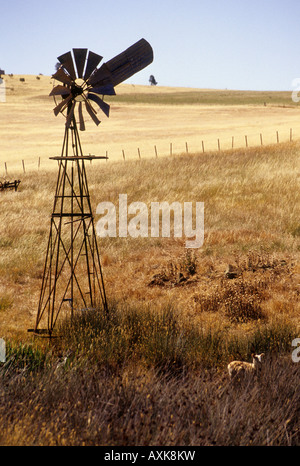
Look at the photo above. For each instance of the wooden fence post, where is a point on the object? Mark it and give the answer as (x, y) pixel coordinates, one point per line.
(203, 147)
(123, 154)
(155, 149)
(23, 163)
(186, 148)
(246, 139)
(261, 139)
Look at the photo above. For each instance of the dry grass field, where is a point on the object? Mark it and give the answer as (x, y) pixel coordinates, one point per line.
(155, 373)
(142, 117)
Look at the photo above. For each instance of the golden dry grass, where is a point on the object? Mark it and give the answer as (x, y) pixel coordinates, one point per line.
(141, 117)
(179, 319)
(251, 216)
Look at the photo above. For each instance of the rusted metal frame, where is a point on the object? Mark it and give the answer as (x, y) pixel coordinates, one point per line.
(72, 249)
(81, 183)
(84, 186)
(60, 177)
(49, 247)
(67, 252)
(73, 194)
(56, 244)
(101, 286)
(51, 290)
(60, 184)
(72, 275)
(76, 145)
(47, 282)
(50, 271)
(71, 299)
(97, 269)
(46, 277)
(10, 185)
(61, 188)
(80, 157)
(65, 148)
(44, 282)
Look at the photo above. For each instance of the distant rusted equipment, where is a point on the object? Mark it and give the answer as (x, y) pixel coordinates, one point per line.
(72, 277)
(9, 185)
(1, 72)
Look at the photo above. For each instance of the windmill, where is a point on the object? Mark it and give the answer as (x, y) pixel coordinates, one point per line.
(72, 277)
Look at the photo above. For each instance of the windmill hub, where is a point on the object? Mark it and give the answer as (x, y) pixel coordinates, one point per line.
(78, 90)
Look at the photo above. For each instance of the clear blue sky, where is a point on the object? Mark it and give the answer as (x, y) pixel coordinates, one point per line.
(234, 44)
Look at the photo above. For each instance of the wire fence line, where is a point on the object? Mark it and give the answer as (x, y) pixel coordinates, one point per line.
(205, 146)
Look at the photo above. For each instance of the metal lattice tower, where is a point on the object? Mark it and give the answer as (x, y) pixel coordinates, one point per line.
(72, 272)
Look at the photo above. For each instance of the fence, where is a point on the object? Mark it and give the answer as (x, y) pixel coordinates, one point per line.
(184, 149)
(218, 146)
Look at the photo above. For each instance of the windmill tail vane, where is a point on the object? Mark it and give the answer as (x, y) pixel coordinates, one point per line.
(72, 277)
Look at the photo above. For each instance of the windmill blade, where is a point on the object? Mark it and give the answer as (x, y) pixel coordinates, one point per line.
(92, 63)
(61, 76)
(81, 120)
(103, 105)
(126, 64)
(70, 114)
(108, 89)
(80, 56)
(67, 62)
(60, 90)
(61, 106)
(92, 114)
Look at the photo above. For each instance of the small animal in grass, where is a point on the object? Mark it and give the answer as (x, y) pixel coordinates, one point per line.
(241, 368)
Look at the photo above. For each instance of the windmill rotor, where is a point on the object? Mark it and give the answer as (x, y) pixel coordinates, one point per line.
(81, 82)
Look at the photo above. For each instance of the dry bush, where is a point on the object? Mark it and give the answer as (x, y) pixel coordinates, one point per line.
(176, 272)
(238, 300)
(242, 301)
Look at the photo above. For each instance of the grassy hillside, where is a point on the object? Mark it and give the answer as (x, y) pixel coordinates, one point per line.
(251, 215)
(155, 372)
(38, 88)
(165, 96)
(141, 117)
